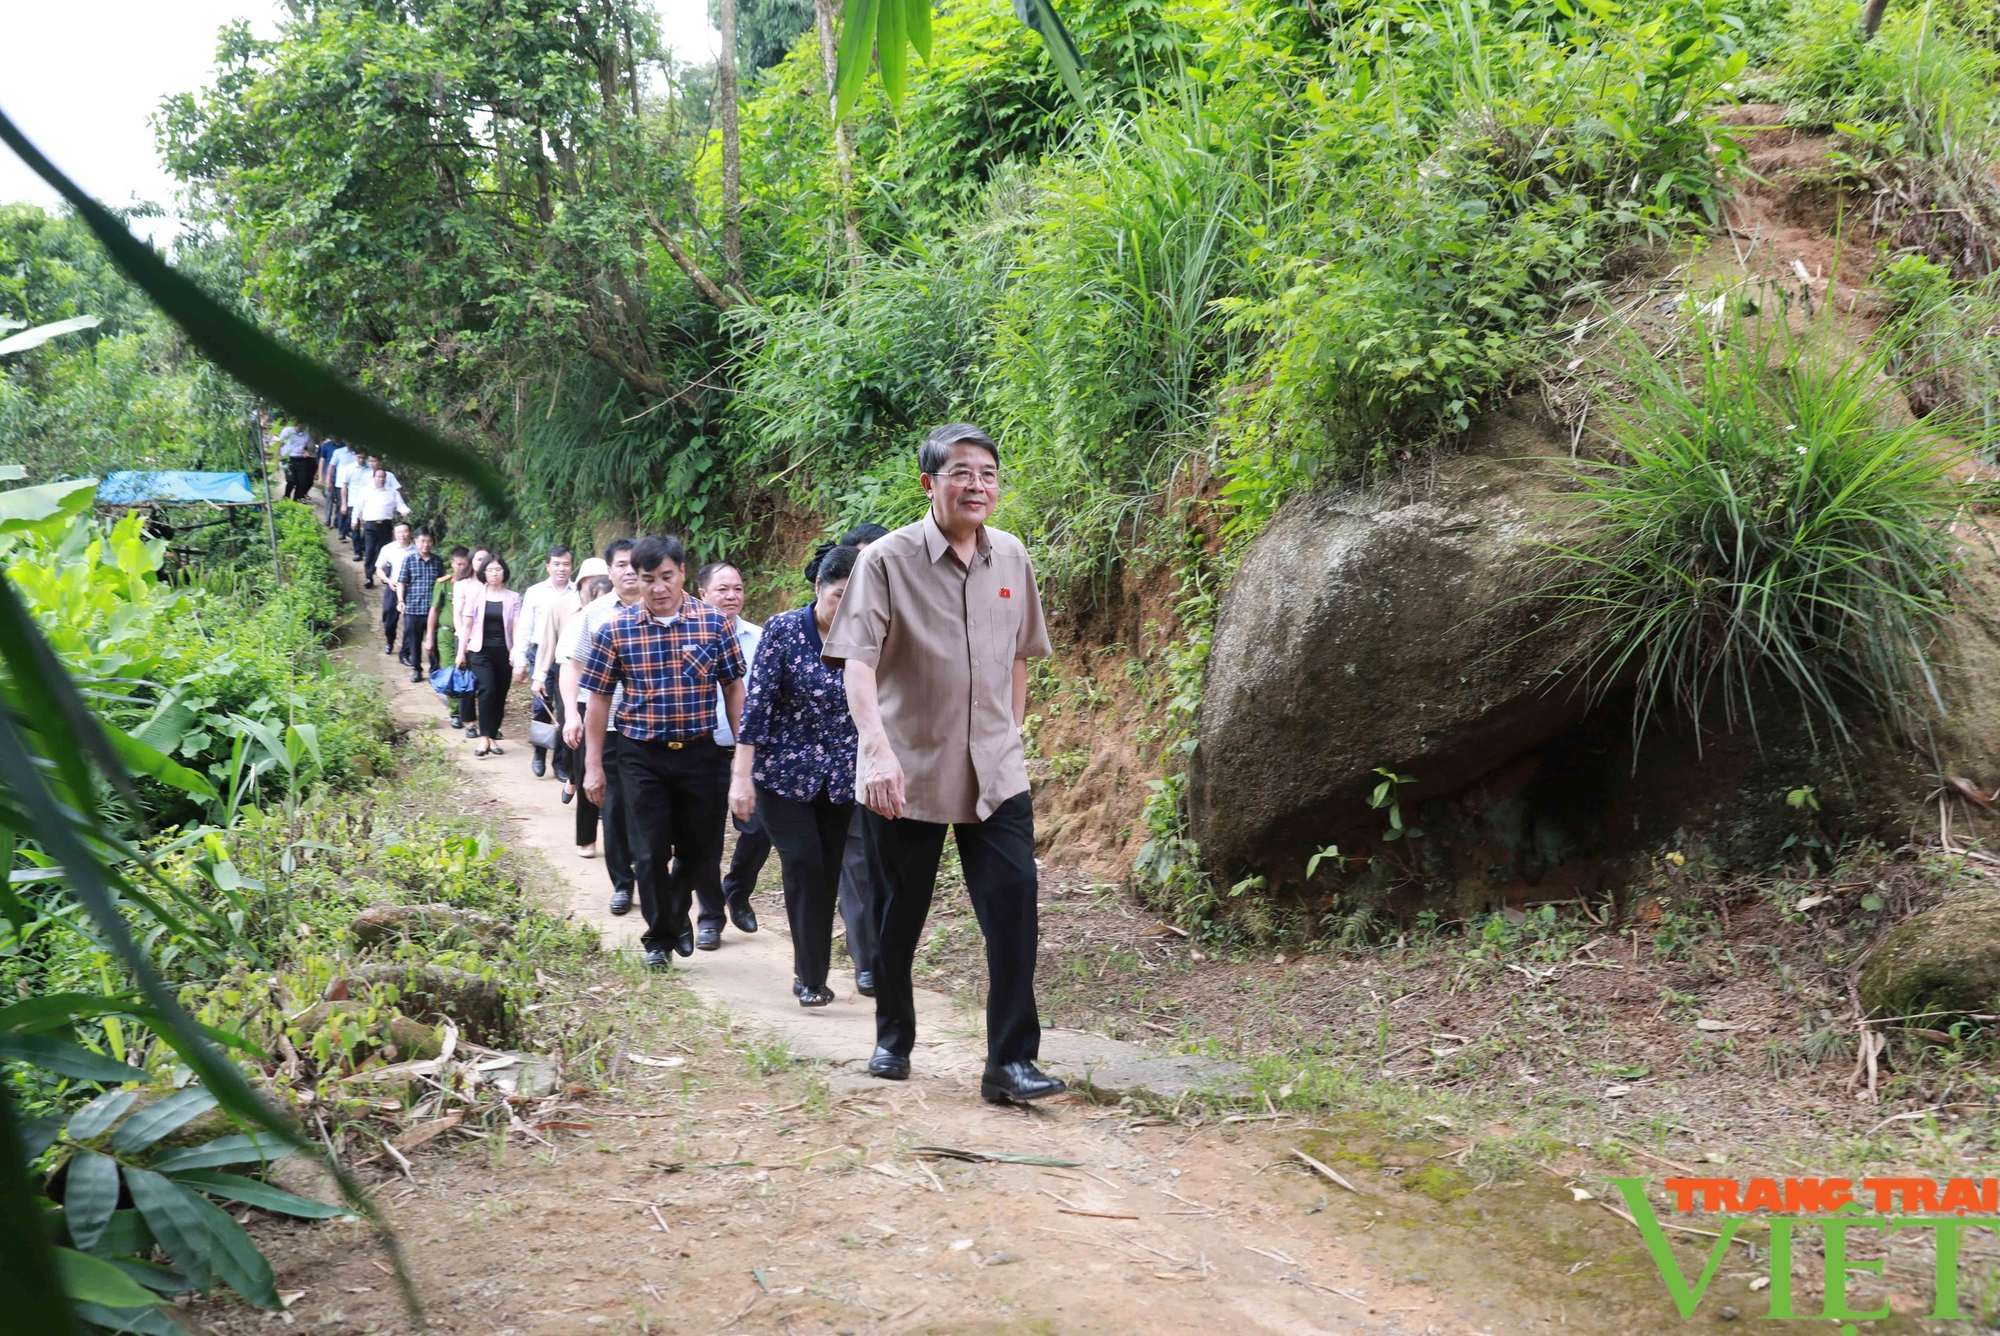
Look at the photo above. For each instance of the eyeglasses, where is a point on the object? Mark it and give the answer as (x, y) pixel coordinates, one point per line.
(966, 477)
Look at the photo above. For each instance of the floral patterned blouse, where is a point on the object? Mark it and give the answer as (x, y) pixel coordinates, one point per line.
(795, 714)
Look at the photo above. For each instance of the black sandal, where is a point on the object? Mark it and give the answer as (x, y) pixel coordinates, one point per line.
(815, 997)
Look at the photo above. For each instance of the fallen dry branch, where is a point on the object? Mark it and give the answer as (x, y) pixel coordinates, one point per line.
(1326, 1172)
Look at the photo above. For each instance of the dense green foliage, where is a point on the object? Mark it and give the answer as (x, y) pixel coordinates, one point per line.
(124, 395)
(1277, 242)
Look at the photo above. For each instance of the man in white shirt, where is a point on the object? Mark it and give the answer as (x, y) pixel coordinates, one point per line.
(535, 604)
(329, 482)
(625, 591)
(352, 474)
(295, 448)
(387, 562)
(720, 585)
(376, 502)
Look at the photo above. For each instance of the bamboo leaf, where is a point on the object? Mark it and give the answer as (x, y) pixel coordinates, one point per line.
(234, 1255)
(917, 22)
(857, 37)
(58, 1009)
(141, 1321)
(163, 1119)
(889, 53)
(235, 1187)
(169, 1212)
(90, 1195)
(93, 1118)
(41, 334)
(299, 384)
(66, 1059)
(150, 760)
(240, 1149)
(94, 1280)
(1048, 25)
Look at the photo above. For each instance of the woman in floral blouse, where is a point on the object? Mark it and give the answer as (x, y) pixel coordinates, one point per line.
(795, 768)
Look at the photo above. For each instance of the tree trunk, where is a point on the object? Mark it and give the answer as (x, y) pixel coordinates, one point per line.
(843, 134)
(1871, 18)
(732, 154)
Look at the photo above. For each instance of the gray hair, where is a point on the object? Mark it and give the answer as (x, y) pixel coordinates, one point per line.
(937, 446)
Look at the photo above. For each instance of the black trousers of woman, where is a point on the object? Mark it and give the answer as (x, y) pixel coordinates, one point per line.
(810, 839)
(493, 670)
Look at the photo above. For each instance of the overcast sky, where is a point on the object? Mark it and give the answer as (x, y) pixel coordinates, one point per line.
(81, 77)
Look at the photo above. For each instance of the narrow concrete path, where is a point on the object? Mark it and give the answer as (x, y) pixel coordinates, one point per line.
(750, 976)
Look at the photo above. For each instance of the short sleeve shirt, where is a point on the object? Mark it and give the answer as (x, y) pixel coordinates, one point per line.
(942, 638)
(669, 667)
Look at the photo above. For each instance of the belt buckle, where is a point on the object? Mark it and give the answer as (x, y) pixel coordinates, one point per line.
(675, 746)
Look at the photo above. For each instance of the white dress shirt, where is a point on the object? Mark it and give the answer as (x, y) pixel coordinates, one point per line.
(747, 635)
(541, 595)
(391, 560)
(371, 502)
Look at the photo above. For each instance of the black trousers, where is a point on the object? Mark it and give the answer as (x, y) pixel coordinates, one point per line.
(390, 616)
(810, 839)
(299, 473)
(493, 671)
(417, 647)
(857, 897)
(369, 541)
(671, 803)
(617, 843)
(998, 857)
(713, 892)
(549, 706)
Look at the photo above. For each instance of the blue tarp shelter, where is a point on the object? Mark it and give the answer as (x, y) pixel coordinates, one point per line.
(176, 486)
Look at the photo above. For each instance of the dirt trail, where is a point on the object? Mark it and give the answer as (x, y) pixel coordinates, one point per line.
(718, 1199)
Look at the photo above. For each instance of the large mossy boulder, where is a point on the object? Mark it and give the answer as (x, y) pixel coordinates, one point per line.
(1946, 959)
(1387, 627)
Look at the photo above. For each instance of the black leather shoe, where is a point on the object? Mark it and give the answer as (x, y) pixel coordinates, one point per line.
(539, 765)
(816, 997)
(864, 983)
(1017, 1082)
(684, 941)
(744, 917)
(569, 795)
(656, 959)
(708, 937)
(889, 1066)
(621, 901)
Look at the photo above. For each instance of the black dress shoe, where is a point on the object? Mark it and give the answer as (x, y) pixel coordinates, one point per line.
(539, 765)
(569, 795)
(656, 959)
(889, 1066)
(864, 982)
(1017, 1082)
(743, 916)
(816, 997)
(684, 941)
(621, 901)
(708, 937)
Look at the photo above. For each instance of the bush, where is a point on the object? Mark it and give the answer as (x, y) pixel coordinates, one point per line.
(1766, 526)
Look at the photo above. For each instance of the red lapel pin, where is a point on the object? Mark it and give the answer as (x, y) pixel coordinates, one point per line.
(1006, 593)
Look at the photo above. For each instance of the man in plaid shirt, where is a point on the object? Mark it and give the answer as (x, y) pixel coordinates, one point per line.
(671, 652)
(416, 579)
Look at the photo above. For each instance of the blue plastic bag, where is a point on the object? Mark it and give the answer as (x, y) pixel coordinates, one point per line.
(453, 681)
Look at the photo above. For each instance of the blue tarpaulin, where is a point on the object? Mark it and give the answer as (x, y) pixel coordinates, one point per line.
(179, 486)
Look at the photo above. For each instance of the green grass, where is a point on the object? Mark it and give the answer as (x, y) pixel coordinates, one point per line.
(1766, 530)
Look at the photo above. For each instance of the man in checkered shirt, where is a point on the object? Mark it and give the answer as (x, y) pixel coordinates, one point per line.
(670, 651)
(416, 579)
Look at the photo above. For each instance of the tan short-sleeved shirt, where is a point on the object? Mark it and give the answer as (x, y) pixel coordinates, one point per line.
(942, 640)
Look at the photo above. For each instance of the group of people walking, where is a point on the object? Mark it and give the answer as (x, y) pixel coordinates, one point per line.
(847, 733)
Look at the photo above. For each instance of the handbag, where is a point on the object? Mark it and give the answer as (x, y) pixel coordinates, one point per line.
(544, 735)
(453, 681)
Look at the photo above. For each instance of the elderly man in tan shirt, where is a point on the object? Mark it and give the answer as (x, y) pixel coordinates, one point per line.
(933, 638)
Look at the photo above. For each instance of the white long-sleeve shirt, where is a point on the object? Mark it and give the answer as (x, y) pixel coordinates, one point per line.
(534, 604)
(371, 502)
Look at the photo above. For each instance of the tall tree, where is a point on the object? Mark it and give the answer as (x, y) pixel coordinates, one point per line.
(843, 131)
(732, 150)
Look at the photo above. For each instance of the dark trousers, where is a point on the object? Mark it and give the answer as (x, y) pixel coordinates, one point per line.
(998, 857)
(857, 897)
(362, 531)
(617, 842)
(810, 839)
(714, 892)
(549, 706)
(299, 473)
(332, 503)
(671, 804)
(390, 617)
(540, 713)
(417, 646)
(494, 673)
